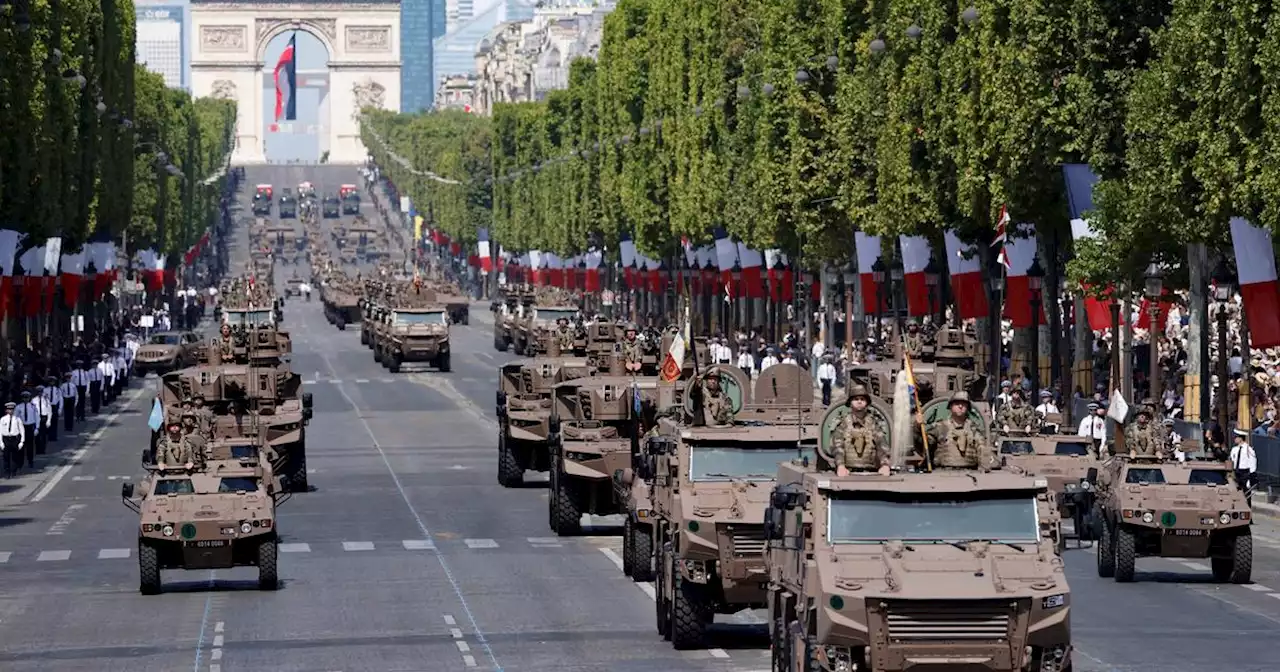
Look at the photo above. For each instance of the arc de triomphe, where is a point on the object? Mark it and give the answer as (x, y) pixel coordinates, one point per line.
(363, 41)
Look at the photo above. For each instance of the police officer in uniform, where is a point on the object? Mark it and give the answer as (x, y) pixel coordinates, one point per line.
(53, 394)
(1094, 426)
(958, 441)
(42, 426)
(95, 388)
(717, 410)
(12, 436)
(29, 414)
(81, 378)
(70, 401)
(1140, 437)
(859, 443)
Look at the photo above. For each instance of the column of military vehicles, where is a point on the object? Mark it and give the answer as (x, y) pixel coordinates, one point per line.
(874, 540)
(231, 449)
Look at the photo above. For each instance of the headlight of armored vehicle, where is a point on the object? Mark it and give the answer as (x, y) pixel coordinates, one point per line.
(1224, 518)
(1054, 601)
(245, 528)
(167, 530)
(1148, 517)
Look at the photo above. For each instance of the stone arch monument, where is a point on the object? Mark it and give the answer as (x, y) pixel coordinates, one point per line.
(363, 41)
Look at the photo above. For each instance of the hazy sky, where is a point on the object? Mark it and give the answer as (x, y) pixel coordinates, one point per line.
(298, 145)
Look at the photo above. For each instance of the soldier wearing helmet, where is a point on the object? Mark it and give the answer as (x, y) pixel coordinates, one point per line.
(564, 335)
(958, 441)
(913, 340)
(859, 443)
(174, 449)
(1141, 437)
(226, 345)
(191, 431)
(1017, 416)
(631, 353)
(717, 409)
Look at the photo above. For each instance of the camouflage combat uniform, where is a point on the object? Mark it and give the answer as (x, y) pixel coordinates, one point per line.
(858, 443)
(1018, 418)
(631, 353)
(716, 408)
(1142, 440)
(564, 338)
(914, 344)
(960, 446)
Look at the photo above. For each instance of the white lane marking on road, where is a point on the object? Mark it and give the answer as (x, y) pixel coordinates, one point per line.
(418, 544)
(218, 640)
(1196, 566)
(357, 545)
(646, 587)
(545, 541)
(118, 478)
(53, 556)
(216, 654)
(463, 647)
(481, 543)
(61, 472)
(1258, 588)
(361, 381)
(449, 620)
(4, 557)
(215, 668)
(114, 553)
(308, 381)
(456, 632)
(83, 478)
(295, 548)
(469, 661)
(219, 626)
(718, 653)
(62, 523)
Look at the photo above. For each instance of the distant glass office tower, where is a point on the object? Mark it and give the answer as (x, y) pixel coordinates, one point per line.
(455, 53)
(162, 40)
(421, 21)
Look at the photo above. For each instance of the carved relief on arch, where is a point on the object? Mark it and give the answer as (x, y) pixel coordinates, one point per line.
(367, 93)
(368, 39)
(223, 39)
(327, 29)
(224, 89)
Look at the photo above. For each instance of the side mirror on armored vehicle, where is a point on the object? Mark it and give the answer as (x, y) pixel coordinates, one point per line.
(553, 423)
(774, 523)
(307, 413)
(126, 490)
(1091, 476)
(787, 497)
(657, 445)
(307, 400)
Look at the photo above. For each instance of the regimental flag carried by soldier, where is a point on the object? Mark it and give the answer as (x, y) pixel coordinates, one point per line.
(156, 421)
(673, 361)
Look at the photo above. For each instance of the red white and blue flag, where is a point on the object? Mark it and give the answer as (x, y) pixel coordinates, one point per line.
(286, 77)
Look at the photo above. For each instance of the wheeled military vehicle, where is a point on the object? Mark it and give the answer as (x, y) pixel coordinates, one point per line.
(350, 200)
(332, 207)
(1064, 461)
(288, 205)
(411, 334)
(341, 298)
(218, 516)
(166, 351)
(261, 205)
(532, 331)
(524, 410)
(1148, 507)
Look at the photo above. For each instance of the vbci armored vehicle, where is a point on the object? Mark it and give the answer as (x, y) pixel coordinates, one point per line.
(1148, 507)
(332, 207)
(219, 515)
(532, 331)
(262, 203)
(917, 570)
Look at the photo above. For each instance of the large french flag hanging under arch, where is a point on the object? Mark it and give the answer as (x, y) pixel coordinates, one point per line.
(286, 76)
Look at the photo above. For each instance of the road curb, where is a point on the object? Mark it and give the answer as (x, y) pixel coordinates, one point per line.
(1268, 510)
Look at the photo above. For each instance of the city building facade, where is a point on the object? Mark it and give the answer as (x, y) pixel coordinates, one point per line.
(455, 51)
(162, 40)
(421, 22)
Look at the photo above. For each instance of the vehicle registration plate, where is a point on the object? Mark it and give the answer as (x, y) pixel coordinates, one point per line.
(212, 543)
(1188, 533)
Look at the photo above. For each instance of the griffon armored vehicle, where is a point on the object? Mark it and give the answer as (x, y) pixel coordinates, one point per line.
(218, 515)
(412, 334)
(332, 207)
(288, 205)
(167, 351)
(1148, 507)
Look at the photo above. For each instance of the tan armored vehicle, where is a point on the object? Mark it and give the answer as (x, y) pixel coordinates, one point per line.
(596, 426)
(947, 570)
(709, 490)
(532, 330)
(1064, 461)
(506, 314)
(412, 334)
(1152, 507)
(341, 298)
(166, 351)
(216, 517)
(524, 413)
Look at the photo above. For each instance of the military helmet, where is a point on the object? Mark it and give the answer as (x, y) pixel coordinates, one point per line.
(959, 398)
(858, 390)
(1143, 410)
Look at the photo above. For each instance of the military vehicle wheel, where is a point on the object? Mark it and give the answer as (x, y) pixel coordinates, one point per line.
(267, 579)
(1239, 567)
(148, 569)
(442, 363)
(298, 479)
(342, 324)
(628, 557)
(641, 553)
(500, 344)
(691, 613)
(1084, 525)
(510, 473)
(661, 605)
(364, 337)
(393, 363)
(1126, 548)
(1106, 554)
(377, 354)
(567, 517)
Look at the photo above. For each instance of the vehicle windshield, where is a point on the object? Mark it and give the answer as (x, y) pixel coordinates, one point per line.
(352, 197)
(248, 318)
(550, 315)
(331, 200)
(433, 317)
(743, 460)
(1144, 475)
(1016, 448)
(946, 518)
(174, 486)
(238, 484)
(1207, 477)
(1071, 448)
(165, 339)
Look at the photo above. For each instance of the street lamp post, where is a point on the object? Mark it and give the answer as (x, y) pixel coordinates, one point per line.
(896, 290)
(735, 299)
(877, 275)
(995, 290)
(850, 275)
(1155, 289)
(1223, 290)
(931, 280)
(1035, 282)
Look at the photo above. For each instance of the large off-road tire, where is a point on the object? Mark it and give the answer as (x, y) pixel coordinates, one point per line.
(662, 607)
(499, 345)
(267, 565)
(628, 553)
(377, 353)
(778, 641)
(341, 323)
(393, 363)
(148, 569)
(1106, 553)
(567, 519)
(691, 613)
(364, 337)
(1126, 546)
(1239, 567)
(1083, 523)
(641, 553)
(442, 363)
(510, 473)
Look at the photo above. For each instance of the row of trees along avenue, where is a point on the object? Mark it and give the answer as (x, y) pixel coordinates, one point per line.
(793, 124)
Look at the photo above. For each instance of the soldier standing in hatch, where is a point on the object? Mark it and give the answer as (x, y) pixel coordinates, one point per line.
(204, 416)
(1141, 438)
(913, 341)
(717, 410)
(172, 449)
(564, 335)
(1017, 416)
(958, 442)
(631, 353)
(225, 343)
(191, 433)
(858, 444)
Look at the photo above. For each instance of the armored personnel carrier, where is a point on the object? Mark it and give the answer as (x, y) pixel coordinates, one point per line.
(262, 203)
(531, 332)
(524, 413)
(709, 488)
(416, 329)
(1062, 460)
(341, 298)
(350, 199)
(218, 516)
(1148, 507)
(288, 205)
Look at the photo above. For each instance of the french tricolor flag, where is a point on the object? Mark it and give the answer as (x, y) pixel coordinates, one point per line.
(482, 250)
(627, 253)
(1256, 267)
(868, 250)
(286, 77)
(964, 263)
(1019, 250)
(915, 257)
